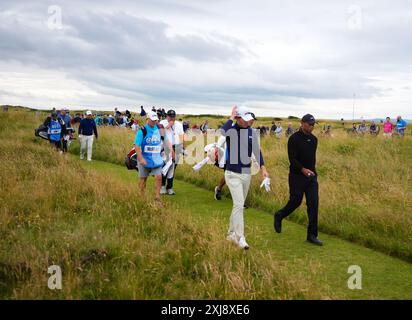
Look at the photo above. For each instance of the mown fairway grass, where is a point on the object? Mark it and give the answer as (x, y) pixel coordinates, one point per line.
(112, 242)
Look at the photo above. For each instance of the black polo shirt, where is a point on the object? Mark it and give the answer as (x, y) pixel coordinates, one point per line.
(302, 152)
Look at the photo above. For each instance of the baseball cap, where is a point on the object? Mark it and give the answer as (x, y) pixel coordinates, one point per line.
(245, 113)
(171, 113)
(152, 116)
(88, 113)
(308, 118)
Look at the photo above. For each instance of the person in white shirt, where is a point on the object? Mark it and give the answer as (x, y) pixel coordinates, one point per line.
(175, 134)
(278, 131)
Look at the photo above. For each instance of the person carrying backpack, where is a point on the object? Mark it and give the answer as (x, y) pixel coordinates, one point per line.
(56, 129)
(148, 146)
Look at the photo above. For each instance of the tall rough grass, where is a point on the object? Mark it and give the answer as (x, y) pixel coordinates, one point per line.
(110, 241)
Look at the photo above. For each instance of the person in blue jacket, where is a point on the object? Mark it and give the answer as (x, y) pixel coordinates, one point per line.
(400, 126)
(148, 145)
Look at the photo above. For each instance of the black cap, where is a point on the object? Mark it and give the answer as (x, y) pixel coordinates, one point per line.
(171, 113)
(308, 118)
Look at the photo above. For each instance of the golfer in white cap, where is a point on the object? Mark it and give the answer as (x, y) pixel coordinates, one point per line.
(86, 130)
(148, 146)
(241, 142)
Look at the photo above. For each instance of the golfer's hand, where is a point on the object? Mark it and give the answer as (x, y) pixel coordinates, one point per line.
(308, 173)
(143, 162)
(265, 173)
(234, 113)
(173, 155)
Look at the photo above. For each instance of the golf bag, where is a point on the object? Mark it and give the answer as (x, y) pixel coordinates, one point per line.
(41, 132)
(131, 160)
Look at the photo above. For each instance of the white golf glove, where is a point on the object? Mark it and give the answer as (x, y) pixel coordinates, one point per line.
(266, 184)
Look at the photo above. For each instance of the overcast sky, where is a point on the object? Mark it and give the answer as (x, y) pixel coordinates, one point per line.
(278, 57)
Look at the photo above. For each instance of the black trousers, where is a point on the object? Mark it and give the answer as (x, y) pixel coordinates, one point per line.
(168, 182)
(300, 185)
(64, 146)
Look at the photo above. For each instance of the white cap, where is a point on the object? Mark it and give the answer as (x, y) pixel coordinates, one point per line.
(152, 116)
(88, 113)
(245, 113)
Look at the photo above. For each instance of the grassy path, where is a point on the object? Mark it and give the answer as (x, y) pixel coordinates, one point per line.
(383, 277)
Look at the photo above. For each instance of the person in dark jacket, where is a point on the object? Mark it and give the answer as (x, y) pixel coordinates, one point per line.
(142, 111)
(241, 143)
(302, 146)
(65, 116)
(86, 130)
(273, 128)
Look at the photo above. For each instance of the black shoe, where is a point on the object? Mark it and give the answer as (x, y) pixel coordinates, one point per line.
(218, 194)
(277, 223)
(314, 241)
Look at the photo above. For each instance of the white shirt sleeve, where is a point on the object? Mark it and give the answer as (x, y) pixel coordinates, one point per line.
(178, 132)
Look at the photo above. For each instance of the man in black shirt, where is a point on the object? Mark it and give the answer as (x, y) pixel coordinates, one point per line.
(302, 147)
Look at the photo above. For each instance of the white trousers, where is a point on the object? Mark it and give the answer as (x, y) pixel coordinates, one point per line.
(238, 185)
(86, 140)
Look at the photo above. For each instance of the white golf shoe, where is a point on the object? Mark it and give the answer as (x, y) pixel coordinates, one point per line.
(243, 244)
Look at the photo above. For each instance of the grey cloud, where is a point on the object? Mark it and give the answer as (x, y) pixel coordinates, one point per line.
(110, 41)
(101, 40)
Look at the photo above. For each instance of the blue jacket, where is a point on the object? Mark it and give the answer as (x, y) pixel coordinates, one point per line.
(401, 125)
(87, 127)
(240, 144)
(66, 118)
